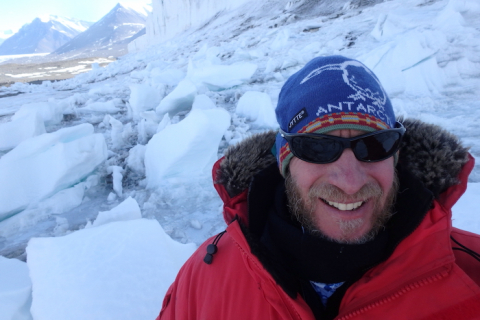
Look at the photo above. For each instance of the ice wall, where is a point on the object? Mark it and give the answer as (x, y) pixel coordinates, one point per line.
(170, 17)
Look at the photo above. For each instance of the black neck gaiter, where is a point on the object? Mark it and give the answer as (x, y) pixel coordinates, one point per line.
(312, 258)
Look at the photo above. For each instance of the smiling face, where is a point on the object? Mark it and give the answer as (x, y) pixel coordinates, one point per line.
(346, 201)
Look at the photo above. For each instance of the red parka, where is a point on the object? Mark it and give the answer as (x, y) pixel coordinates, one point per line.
(424, 278)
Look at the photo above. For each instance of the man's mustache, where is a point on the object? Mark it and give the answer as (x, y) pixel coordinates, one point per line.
(333, 193)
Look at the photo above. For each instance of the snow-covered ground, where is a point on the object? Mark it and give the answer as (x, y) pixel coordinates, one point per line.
(105, 178)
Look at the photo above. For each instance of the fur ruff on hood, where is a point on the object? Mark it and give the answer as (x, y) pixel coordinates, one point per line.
(430, 153)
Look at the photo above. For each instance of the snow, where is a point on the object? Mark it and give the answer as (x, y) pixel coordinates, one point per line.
(137, 138)
(141, 8)
(72, 24)
(138, 261)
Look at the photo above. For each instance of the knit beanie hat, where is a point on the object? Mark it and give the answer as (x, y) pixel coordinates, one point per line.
(330, 93)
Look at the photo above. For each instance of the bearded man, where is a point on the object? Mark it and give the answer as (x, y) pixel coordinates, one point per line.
(348, 216)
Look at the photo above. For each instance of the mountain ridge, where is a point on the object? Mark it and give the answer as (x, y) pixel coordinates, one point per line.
(110, 33)
(43, 36)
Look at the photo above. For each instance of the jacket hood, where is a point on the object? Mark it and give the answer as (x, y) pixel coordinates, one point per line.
(430, 153)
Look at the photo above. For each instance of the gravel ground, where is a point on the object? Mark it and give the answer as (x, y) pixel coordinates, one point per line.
(55, 70)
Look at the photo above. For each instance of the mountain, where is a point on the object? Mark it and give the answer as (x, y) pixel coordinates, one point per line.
(43, 35)
(5, 34)
(112, 33)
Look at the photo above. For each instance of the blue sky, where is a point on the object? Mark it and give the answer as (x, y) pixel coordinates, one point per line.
(15, 13)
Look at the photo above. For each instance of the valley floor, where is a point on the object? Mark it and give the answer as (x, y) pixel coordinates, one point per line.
(54, 70)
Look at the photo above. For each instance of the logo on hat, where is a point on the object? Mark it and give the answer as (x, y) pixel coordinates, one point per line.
(363, 91)
(296, 119)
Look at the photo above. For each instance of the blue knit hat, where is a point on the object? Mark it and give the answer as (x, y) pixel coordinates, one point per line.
(330, 93)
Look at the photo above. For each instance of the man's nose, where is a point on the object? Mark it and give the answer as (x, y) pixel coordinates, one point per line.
(347, 173)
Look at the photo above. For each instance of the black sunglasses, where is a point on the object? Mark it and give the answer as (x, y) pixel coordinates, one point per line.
(322, 148)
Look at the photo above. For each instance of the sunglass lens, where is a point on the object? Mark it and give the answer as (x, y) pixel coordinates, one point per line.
(376, 147)
(314, 150)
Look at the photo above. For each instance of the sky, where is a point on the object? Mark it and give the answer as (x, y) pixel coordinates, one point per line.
(15, 13)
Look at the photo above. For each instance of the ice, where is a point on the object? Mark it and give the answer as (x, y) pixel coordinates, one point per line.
(171, 77)
(50, 112)
(409, 65)
(100, 107)
(281, 40)
(166, 121)
(143, 98)
(170, 18)
(257, 107)
(136, 157)
(218, 77)
(464, 6)
(65, 200)
(119, 270)
(117, 133)
(387, 26)
(146, 128)
(22, 128)
(117, 177)
(273, 65)
(61, 202)
(41, 166)
(186, 149)
(112, 196)
(101, 90)
(202, 101)
(127, 210)
(180, 99)
(15, 291)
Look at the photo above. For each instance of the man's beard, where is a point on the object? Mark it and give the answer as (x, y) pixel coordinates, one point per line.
(304, 209)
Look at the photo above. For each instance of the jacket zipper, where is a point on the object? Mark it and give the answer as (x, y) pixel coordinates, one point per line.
(393, 296)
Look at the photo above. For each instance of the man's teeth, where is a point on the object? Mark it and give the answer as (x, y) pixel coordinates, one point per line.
(345, 206)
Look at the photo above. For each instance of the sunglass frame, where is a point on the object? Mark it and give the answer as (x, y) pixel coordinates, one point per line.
(345, 142)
